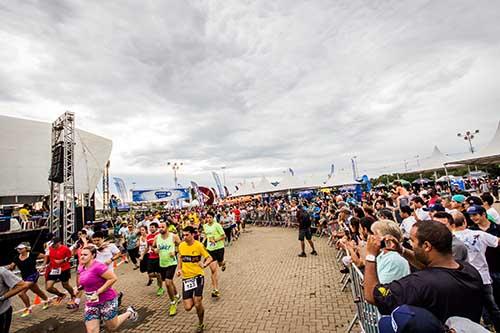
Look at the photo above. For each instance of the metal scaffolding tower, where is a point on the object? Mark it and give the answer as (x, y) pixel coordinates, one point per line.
(105, 189)
(62, 195)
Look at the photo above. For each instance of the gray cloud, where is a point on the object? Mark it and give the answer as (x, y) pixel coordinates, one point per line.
(258, 86)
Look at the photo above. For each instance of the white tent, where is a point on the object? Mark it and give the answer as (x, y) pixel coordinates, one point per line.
(315, 181)
(263, 186)
(244, 189)
(340, 180)
(432, 163)
(290, 182)
(488, 155)
(25, 147)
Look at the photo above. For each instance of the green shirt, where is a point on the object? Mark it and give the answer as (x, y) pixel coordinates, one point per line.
(214, 231)
(166, 247)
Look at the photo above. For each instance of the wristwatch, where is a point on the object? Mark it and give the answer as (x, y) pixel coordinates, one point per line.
(370, 258)
(2, 298)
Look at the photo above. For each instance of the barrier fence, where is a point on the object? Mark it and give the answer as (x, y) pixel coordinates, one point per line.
(366, 315)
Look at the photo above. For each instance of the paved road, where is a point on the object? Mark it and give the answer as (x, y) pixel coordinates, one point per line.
(266, 288)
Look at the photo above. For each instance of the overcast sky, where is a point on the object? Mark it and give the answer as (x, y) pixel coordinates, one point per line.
(256, 86)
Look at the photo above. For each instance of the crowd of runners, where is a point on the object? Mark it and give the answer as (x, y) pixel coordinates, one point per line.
(184, 244)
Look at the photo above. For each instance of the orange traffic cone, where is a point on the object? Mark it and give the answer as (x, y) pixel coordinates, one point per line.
(37, 300)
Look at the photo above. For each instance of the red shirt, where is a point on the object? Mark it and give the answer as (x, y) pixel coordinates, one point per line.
(150, 238)
(61, 252)
(237, 214)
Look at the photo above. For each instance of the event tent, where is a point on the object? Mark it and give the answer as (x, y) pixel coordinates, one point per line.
(25, 147)
(290, 182)
(340, 180)
(486, 156)
(263, 186)
(244, 189)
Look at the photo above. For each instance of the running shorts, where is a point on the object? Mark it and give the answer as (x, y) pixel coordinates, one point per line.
(32, 277)
(305, 233)
(197, 291)
(102, 312)
(167, 273)
(63, 277)
(154, 265)
(217, 255)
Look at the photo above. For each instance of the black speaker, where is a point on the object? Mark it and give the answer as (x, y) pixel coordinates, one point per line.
(89, 212)
(57, 166)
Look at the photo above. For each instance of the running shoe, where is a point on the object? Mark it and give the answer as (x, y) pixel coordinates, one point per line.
(72, 305)
(59, 299)
(133, 314)
(45, 305)
(314, 253)
(172, 309)
(150, 281)
(215, 293)
(223, 267)
(200, 328)
(26, 312)
(160, 292)
(302, 255)
(177, 298)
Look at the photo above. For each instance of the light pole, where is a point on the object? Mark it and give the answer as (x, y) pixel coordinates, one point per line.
(175, 167)
(468, 136)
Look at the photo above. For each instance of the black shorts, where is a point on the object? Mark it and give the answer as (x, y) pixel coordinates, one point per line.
(305, 233)
(154, 265)
(63, 277)
(217, 255)
(198, 291)
(167, 273)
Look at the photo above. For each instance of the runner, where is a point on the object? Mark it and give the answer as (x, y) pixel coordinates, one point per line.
(143, 249)
(132, 244)
(215, 236)
(154, 259)
(96, 279)
(107, 253)
(26, 262)
(191, 268)
(165, 244)
(59, 270)
(10, 285)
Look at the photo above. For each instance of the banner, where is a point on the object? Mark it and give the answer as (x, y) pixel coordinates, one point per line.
(160, 195)
(332, 170)
(199, 195)
(220, 189)
(121, 189)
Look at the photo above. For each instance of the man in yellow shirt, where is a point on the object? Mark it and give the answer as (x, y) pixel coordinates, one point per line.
(190, 266)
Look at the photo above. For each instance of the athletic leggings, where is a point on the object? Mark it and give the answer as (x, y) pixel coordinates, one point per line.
(227, 231)
(134, 254)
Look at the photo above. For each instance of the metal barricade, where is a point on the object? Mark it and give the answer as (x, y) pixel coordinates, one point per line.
(366, 314)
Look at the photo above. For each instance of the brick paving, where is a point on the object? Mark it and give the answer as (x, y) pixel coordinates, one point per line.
(266, 288)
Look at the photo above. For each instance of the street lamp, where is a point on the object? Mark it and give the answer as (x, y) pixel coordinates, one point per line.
(175, 167)
(468, 136)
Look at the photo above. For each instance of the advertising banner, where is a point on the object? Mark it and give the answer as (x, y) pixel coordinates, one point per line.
(121, 189)
(160, 194)
(220, 189)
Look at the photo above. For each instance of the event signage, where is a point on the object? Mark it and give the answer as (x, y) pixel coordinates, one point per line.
(219, 185)
(160, 195)
(121, 189)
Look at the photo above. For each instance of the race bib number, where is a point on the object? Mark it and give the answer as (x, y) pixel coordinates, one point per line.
(91, 296)
(55, 271)
(190, 284)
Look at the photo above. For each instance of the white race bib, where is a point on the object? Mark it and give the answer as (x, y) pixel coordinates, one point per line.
(190, 284)
(55, 271)
(91, 296)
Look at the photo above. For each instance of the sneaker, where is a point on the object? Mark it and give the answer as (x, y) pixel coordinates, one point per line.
(200, 328)
(150, 281)
(26, 312)
(314, 253)
(136, 268)
(133, 314)
(302, 255)
(45, 305)
(344, 270)
(120, 296)
(71, 305)
(160, 292)
(59, 299)
(215, 293)
(172, 309)
(223, 267)
(177, 298)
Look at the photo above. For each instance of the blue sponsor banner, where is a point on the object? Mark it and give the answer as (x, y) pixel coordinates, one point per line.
(121, 189)
(219, 185)
(160, 195)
